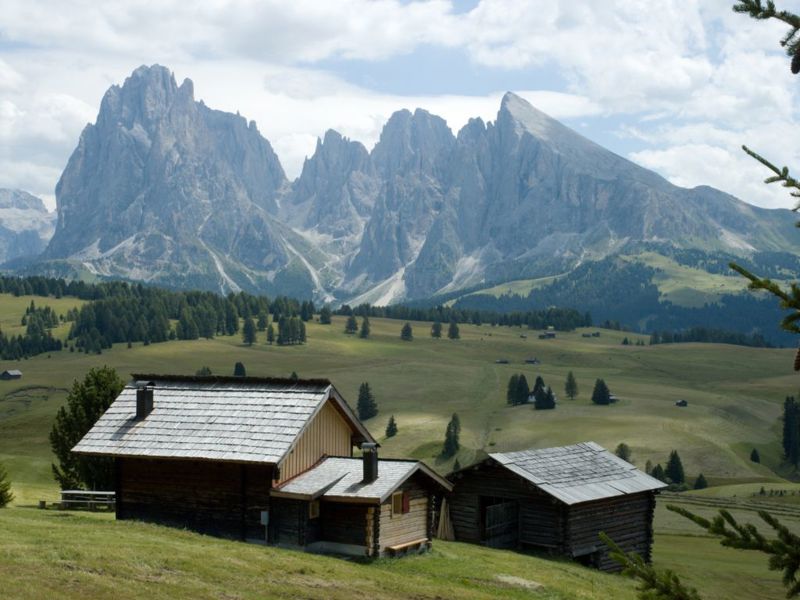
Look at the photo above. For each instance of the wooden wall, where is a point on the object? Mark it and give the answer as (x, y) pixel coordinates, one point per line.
(416, 524)
(541, 518)
(327, 434)
(223, 499)
(337, 522)
(628, 520)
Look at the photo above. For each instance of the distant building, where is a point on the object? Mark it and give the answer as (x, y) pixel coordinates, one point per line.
(11, 374)
(586, 335)
(262, 459)
(532, 361)
(547, 335)
(556, 499)
(501, 361)
(596, 334)
(682, 403)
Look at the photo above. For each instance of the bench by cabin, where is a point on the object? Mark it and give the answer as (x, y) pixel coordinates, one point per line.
(558, 500)
(223, 456)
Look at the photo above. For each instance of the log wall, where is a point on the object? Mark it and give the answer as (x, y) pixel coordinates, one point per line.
(416, 524)
(223, 499)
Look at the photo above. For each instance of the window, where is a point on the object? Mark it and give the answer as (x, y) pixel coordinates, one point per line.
(313, 509)
(397, 503)
(401, 503)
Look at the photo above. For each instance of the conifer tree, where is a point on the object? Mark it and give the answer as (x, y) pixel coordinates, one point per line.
(351, 326)
(523, 391)
(249, 332)
(674, 468)
(754, 456)
(545, 399)
(263, 319)
(204, 371)
(452, 443)
(571, 386)
(391, 427)
(436, 329)
(270, 334)
(511, 391)
(648, 467)
(294, 376)
(658, 473)
(364, 332)
(367, 407)
(601, 395)
(325, 315)
(623, 451)
(700, 483)
(406, 333)
(538, 386)
(452, 330)
(87, 400)
(239, 370)
(6, 496)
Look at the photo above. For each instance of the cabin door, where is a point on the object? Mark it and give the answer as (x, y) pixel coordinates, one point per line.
(501, 524)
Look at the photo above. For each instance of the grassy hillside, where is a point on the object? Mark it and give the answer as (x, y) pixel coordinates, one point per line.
(734, 393)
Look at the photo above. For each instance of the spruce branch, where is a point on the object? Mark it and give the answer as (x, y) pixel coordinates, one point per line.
(783, 551)
(781, 174)
(791, 41)
(654, 585)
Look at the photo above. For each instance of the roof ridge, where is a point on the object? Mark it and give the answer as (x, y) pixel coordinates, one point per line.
(172, 378)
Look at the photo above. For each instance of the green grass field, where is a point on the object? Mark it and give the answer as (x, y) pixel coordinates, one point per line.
(734, 393)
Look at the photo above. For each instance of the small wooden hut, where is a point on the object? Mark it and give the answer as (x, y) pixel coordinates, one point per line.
(557, 499)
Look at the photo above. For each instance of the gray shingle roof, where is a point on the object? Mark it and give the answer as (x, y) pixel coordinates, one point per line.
(249, 421)
(578, 473)
(341, 478)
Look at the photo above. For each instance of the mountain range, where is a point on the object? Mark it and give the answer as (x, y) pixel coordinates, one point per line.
(163, 189)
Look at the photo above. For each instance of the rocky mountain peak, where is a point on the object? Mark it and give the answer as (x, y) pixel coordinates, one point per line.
(412, 141)
(22, 200)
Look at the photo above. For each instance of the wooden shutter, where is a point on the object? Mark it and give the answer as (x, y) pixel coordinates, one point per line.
(406, 502)
(397, 503)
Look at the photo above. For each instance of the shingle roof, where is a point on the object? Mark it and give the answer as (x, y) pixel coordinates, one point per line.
(578, 473)
(240, 420)
(341, 478)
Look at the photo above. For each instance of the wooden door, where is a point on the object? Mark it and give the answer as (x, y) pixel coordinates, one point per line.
(501, 525)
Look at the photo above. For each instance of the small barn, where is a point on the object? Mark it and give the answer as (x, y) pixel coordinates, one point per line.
(9, 374)
(253, 459)
(556, 499)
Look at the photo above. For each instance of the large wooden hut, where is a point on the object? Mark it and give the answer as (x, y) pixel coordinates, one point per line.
(253, 458)
(557, 499)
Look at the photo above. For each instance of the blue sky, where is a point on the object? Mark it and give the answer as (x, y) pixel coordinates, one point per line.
(675, 86)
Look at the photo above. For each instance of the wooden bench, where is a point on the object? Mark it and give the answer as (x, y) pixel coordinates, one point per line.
(397, 548)
(87, 499)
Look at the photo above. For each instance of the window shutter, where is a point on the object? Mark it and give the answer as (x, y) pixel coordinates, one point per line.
(406, 502)
(397, 503)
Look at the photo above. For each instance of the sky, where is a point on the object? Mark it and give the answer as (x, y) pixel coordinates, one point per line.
(675, 86)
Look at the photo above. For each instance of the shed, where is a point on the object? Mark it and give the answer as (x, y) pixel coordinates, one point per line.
(349, 506)
(11, 374)
(556, 499)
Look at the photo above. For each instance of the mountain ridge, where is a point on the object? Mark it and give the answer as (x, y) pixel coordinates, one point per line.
(162, 188)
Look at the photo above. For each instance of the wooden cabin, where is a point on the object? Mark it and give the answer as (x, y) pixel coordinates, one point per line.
(225, 456)
(556, 499)
(11, 374)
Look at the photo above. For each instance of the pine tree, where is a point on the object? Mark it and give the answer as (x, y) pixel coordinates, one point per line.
(601, 394)
(538, 386)
(239, 370)
(754, 456)
(249, 332)
(87, 400)
(648, 467)
(523, 391)
(364, 332)
(452, 444)
(367, 407)
(5, 488)
(294, 376)
(351, 326)
(571, 386)
(436, 329)
(263, 319)
(545, 399)
(406, 333)
(325, 315)
(674, 468)
(270, 334)
(623, 451)
(511, 391)
(391, 427)
(452, 330)
(204, 371)
(700, 483)
(658, 473)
